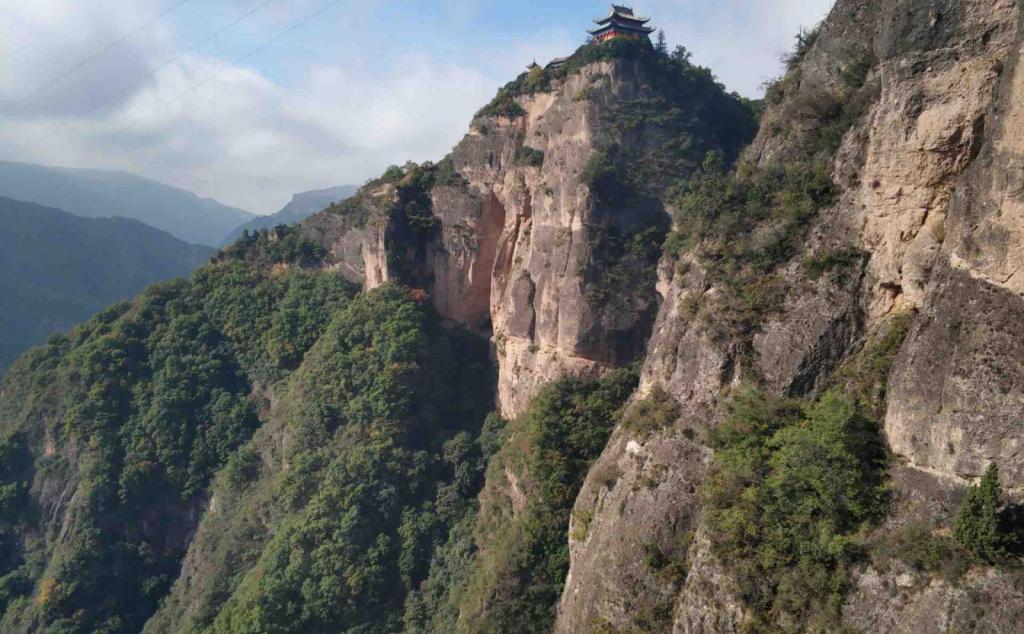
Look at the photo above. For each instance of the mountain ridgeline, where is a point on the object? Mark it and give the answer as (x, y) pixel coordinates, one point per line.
(105, 194)
(57, 270)
(300, 207)
(637, 356)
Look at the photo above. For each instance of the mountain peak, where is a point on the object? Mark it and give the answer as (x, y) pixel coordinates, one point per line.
(95, 193)
(302, 206)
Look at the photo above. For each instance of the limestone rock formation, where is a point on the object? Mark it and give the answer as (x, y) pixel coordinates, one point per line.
(875, 247)
(925, 197)
(926, 194)
(523, 248)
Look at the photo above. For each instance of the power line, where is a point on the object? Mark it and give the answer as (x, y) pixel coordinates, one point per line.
(256, 50)
(128, 89)
(188, 50)
(294, 27)
(101, 52)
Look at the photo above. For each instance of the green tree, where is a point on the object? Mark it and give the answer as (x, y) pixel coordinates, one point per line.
(393, 174)
(661, 46)
(516, 578)
(791, 486)
(978, 528)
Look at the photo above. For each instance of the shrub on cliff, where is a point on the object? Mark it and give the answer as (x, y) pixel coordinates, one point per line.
(515, 581)
(791, 485)
(530, 156)
(978, 527)
(744, 226)
(805, 39)
(922, 547)
(687, 102)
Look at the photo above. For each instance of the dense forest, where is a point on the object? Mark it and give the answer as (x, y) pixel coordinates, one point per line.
(352, 496)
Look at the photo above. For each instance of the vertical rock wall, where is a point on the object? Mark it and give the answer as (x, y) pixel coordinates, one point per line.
(937, 215)
(958, 391)
(514, 253)
(544, 323)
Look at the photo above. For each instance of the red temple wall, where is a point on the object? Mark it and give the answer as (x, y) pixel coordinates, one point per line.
(604, 37)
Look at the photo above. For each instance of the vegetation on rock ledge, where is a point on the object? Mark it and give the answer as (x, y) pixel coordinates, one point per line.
(979, 527)
(791, 487)
(795, 487)
(518, 574)
(745, 225)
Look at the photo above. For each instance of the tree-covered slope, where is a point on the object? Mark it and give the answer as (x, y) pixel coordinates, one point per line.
(105, 193)
(57, 269)
(344, 428)
(264, 448)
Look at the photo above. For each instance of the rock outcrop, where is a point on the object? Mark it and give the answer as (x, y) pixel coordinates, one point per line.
(926, 197)
(925, 176)
(927, 193)
(523, 248)
(956, 402)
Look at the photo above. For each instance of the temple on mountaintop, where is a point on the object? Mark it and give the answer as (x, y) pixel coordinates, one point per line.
(621, 23)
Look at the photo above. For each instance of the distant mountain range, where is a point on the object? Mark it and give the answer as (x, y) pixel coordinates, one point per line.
(102, 193)
(301, 207)
(57, 269)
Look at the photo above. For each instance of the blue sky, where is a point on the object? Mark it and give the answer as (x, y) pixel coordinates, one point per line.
(362, 85)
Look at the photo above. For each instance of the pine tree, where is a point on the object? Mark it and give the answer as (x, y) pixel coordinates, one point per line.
(977, 524)
(662, 45)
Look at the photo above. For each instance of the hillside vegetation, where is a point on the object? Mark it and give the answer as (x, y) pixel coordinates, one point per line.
(263, 448)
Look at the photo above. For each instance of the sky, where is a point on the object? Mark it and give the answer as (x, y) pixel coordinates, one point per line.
(251, 101)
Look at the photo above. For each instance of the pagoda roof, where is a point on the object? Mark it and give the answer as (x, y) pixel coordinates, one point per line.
(619, 12)
(633, 28)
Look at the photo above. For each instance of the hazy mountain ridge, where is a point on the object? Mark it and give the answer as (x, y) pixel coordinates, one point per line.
(300, 207)
(105, 193)
(58, 269)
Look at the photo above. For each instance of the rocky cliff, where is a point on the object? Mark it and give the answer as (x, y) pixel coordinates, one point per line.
(910, 108)
(534, 237)
(926, 202)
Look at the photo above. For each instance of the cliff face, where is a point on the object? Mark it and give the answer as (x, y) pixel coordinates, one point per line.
(956, 400)
(522, 246)
(917, 102)
(258, 415)
(546, 321)
(926, 194)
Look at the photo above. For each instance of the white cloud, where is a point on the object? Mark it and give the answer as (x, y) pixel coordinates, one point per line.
(741, 40)
(240, 137)
(253, 137)
(52, 61)
(249, 142)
